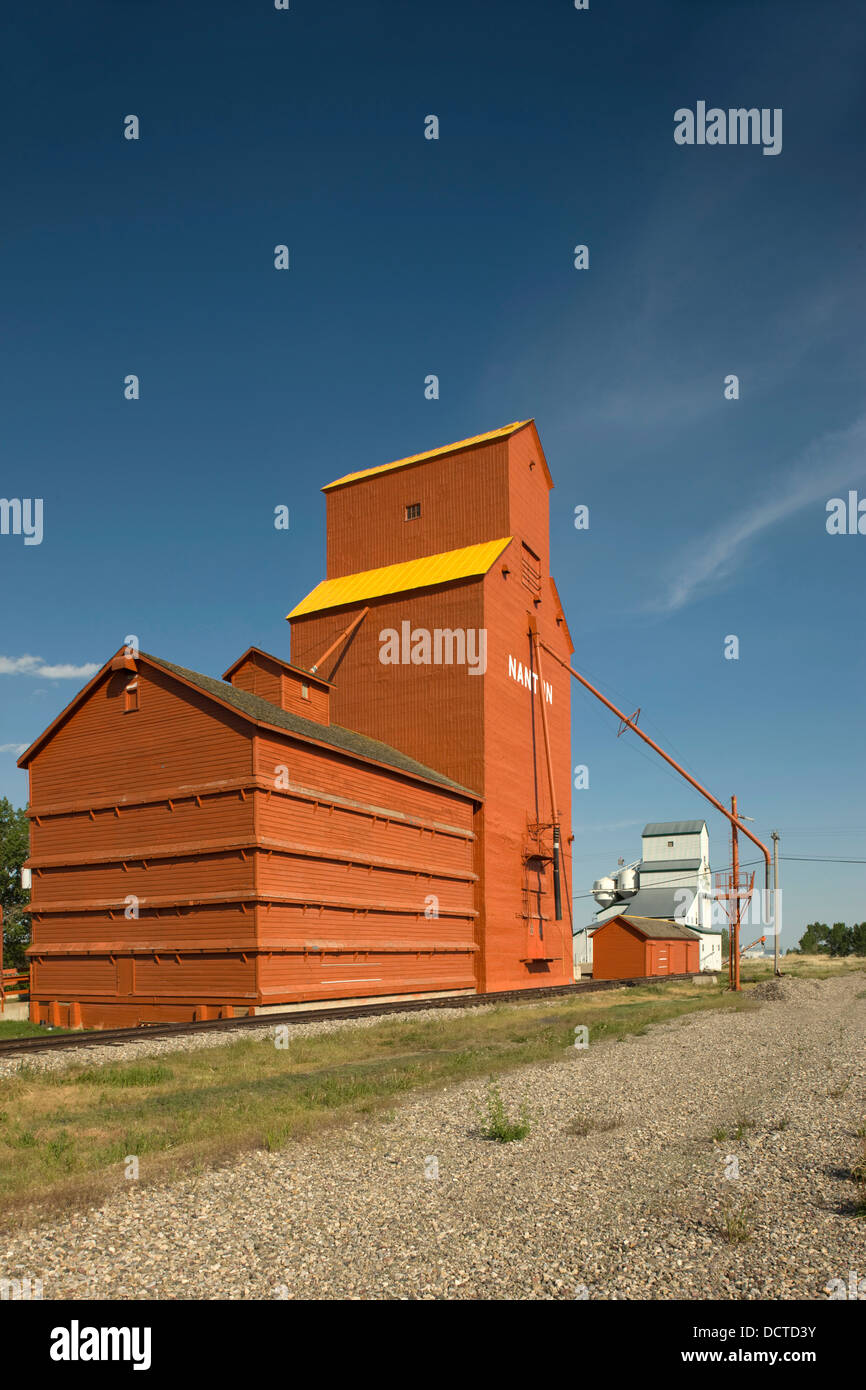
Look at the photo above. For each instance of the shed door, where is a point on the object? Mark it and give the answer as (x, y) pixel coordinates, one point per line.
(663, 966)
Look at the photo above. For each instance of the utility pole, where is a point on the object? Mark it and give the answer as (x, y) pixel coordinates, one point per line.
(775, 837)
(735, 925)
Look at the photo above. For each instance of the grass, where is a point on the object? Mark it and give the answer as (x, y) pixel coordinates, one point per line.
(20, 1028)
(736, 1129)
(496, 1123)
(584, 1124)
(816, 967)
(736, 1221)
(65, 1135)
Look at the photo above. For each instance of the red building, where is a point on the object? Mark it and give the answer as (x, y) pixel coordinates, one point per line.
(374, 817)
(457, 540)
(625, 947)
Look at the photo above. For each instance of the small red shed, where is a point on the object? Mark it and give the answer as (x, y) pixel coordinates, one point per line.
(626, 947)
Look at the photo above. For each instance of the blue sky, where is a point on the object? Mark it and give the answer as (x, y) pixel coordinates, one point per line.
(455, 257)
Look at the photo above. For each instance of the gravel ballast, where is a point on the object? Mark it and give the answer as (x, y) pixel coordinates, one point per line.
(625, 1187)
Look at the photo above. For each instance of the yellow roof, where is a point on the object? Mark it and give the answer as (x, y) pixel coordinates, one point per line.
(430, 454)
(409, 574)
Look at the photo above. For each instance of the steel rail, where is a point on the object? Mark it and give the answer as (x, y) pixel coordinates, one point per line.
(118, 1037)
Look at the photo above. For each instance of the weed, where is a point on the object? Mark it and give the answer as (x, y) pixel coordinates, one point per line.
(736, 1221)
(584, 1124)
(840, 1090)
(495, 1122)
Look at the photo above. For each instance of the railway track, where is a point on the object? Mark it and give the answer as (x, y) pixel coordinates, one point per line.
(118, 1037)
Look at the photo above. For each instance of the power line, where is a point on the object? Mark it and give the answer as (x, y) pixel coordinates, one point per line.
(747, 864)
(805, 859)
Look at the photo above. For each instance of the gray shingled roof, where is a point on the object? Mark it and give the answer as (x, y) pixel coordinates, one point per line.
(658, 902)
(263, 712)
(674, 827)
(659, 929)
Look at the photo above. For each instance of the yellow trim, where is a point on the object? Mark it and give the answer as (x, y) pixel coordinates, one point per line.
(465, 563)
(430, 454)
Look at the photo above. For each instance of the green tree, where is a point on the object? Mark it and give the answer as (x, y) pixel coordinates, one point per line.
(813, 940)
(858, 932)
(840, 939)
(14, 849)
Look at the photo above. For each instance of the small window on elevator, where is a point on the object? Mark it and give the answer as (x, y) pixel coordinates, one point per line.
(412, 511)
(130, 698)
(305, 691)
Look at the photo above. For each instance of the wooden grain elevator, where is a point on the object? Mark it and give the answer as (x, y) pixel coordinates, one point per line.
(378, 815)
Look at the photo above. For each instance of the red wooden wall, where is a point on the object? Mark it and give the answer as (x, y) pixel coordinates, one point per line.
(483, 731)
(621, 952)
(187, 862)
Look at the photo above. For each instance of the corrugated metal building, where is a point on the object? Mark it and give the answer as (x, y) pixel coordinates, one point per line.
(671, 881)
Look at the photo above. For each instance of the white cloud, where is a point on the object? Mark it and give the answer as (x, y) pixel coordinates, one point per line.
(830, 463)
(16, 748)
(35, 666)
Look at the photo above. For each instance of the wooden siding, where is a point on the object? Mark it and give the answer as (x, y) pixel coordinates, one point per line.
(483, 731)
(103, 752)
(236, 883)
(315, 705)
(366, 526)
(328, 974)
(618, 952)
(266, 867)
(267, 677)
(434, 713)
(173, 925)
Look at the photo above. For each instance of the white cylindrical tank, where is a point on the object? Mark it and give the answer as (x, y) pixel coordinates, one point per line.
(604, 891)
(627, 881)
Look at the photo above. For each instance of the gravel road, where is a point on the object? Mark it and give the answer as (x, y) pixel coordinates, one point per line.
(645, 1205)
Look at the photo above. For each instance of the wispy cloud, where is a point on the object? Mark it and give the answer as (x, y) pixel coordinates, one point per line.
(16, 748)
(605, 825)
(35, 666)
(829, 464)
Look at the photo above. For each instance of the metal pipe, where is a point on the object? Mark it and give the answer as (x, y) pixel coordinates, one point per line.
(342, 637)
(554, 811)
(557, 891)
(735, 935)
(733, 818)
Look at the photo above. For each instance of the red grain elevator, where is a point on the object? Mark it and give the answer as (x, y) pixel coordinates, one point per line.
(448, 551)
